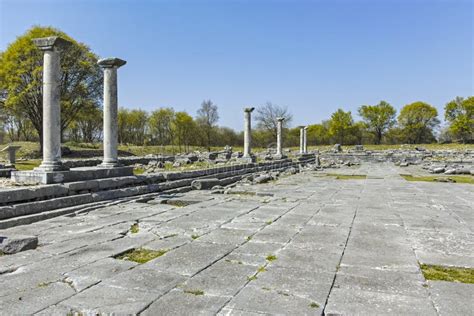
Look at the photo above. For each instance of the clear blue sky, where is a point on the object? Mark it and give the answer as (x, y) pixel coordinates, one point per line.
(312, 56)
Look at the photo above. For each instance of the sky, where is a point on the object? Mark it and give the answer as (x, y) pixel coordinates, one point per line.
(311, 56)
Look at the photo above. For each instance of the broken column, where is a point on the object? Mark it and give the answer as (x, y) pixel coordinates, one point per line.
(279, 149)
(11, 153)
(301, 139)
(248, 133)
(51, 46)
(110, 66)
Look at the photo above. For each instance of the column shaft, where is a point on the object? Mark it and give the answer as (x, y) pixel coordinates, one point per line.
(110, 118)
(305, 140)
(247, 134)
(51, 111)
(301, 140)
(279, 151)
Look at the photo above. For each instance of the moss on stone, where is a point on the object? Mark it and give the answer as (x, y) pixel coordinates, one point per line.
(454, 179)
(194, 292)
(271, 257)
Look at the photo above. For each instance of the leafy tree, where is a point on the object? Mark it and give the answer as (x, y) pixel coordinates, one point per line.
(378, 118)
(21, 66)
(267, 117)
(87, 126)
(183, 129)
(132, 125)
(460, 114)
(418, 121)
(207, 119)
(340, 125)
(318, 134)
(160, 125)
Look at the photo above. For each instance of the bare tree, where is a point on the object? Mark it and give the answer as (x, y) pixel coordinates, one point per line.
(267, 115)
(207, 119)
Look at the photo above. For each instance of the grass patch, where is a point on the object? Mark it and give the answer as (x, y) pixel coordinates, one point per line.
(261, 269)
(347, 176)
(450, 274)
(456, 178)
(314, 305)
(134, 228)
(27, 165)
(179, 203)
(138, 171)
(141, 255)
(194, 236)
(271, 258)
(194, 292)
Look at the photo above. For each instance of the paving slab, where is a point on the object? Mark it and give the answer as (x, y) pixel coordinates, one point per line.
(312, 244)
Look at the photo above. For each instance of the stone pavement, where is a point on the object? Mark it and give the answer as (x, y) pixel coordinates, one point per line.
(306, 244)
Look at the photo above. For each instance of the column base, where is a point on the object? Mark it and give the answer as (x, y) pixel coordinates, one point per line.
(247, 159)
(109, 165)
(51, 166)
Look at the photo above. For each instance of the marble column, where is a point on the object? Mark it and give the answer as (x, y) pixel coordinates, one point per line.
(279, 150)
(301, 139)
(51, 47)
(110, 66)
(248, 132)
(305, 140)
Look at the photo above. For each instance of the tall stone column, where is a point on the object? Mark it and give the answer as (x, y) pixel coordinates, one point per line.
(51, 47)
(110, 66)
(248, 132)
(305, 140)
(301, 139)
(279, 150)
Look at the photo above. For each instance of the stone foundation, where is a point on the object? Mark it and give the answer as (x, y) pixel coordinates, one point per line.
(73, 175)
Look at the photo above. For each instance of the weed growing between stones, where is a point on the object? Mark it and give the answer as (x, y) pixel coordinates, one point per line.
(141, 255)
(252, 278)
(194, 292)
(249, 238)
(271, 258)
(234, 261)
(314, 305)
(195, 236)
(450, 274)
(452, 179)
(268, 222)
(347, 176)
(261, 269)
(134, 228)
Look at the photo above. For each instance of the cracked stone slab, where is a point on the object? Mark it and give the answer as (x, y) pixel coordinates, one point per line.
(452, 298)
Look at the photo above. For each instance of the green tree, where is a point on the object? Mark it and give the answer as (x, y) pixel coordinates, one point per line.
(378, 118)
(460, 115)
(418, 121)
(207, 119)
(160, 125)
(183, 128)
(21, 66)
(340, 125)
(318, 134)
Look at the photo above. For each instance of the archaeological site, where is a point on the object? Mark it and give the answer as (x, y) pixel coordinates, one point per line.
(107, 209)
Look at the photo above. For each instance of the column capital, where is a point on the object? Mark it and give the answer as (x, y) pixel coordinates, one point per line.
(306, 127)
(111, 62)
(280, 119)
(301, 127)
(51, 43)
(249, 109)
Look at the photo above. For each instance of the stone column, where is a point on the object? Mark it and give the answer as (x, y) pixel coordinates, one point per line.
(279, 151)
(110, 66)
(301, 139)
(51, 46)
(305, 140)
(248, 132)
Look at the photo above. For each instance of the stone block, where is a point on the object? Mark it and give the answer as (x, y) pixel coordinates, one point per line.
(14, 244)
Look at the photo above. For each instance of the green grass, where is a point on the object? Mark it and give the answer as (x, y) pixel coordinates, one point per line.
(347, 176)
(138, 171)
(271, 258)
(456, 178)
(194, 292)
(27, 165)
(141, 255)
(194, 236)
(314, 305)
(252, 278)
(134, 228)
(450, 274)
(261, 269)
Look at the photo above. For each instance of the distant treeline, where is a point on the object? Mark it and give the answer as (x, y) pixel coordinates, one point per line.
(81, 111)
